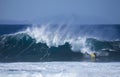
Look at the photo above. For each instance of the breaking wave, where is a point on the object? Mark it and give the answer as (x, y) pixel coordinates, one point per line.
(55, 42)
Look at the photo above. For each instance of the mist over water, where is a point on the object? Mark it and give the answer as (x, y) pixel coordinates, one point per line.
(65, 38)
(70, 30)
(78, 36)
(54, 39)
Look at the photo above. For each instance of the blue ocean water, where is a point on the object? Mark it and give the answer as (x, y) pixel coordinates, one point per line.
(59, 42)
(9, 28)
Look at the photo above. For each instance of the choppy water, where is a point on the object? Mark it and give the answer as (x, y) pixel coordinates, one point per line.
(60, 69)
(59, 42)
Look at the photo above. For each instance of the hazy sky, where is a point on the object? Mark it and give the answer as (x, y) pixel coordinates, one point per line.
(89, 11)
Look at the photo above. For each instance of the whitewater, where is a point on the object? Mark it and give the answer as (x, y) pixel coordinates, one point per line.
(60, 50)
(61, 42)
(60, 69)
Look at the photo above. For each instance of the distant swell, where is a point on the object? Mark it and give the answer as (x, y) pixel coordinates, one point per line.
(57, 44)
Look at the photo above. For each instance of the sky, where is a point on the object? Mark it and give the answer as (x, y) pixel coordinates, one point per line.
(86, 11)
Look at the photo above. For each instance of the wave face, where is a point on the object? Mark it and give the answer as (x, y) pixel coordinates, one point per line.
(60, 43)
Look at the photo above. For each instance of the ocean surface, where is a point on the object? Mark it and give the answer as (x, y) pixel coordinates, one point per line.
(59, 42)
(59, 50)
(60, 69)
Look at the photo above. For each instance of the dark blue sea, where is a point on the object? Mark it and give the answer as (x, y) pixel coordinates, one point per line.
(59, 42)
(59, 50)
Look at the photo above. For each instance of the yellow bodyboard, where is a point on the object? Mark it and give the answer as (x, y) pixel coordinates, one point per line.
(92, 55)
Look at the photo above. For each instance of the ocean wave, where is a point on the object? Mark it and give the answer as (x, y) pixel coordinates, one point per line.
(39, 43)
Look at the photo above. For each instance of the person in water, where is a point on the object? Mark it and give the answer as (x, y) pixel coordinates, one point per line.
(93, 56)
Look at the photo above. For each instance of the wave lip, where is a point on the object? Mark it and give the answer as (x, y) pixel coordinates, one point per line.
(45, 44)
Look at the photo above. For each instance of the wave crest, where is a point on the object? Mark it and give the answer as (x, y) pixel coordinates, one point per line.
(55, 41)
